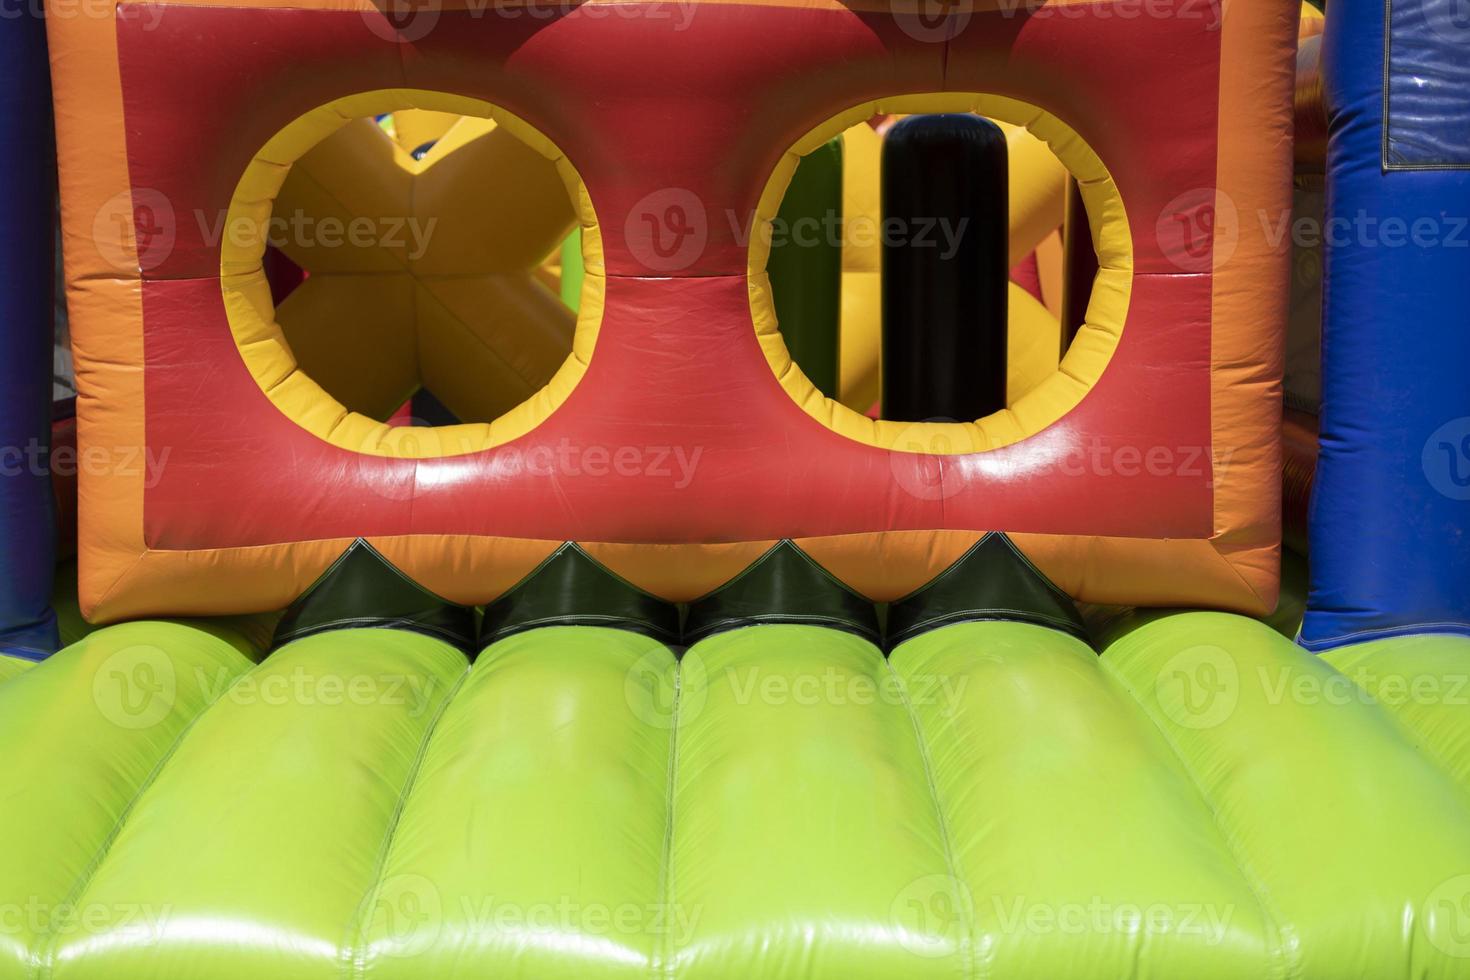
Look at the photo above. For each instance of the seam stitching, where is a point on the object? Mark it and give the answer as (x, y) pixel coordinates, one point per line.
(44, 963)
(967, 938)
(355, 952)
(1286, 968)
(662, 963)
(1406, 733)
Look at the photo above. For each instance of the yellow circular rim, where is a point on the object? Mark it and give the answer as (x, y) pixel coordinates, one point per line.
(263, 345)
(1086, 359)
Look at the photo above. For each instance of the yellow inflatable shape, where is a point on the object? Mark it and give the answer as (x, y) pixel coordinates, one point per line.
(413, 128)
(455, 309)
(1038, 185)
(1035, 341)
(862, 285)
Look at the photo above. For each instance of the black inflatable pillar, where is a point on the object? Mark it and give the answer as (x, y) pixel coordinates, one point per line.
(945, 274)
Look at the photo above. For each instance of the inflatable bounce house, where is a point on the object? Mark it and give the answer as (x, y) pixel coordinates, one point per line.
(735, 489)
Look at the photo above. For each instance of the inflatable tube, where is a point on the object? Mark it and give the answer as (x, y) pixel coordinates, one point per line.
(944, 308)
(13, 666)
(1392, 497)
(27, 260)
(582, 804)
(1037, 182)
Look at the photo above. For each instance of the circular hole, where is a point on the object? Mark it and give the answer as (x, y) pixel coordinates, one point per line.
(1069, 273)
(393, 267)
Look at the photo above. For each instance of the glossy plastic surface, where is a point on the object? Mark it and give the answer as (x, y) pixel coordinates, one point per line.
(11, 666)
(945, 282)
(1204, 800)
(27, 237)
(1392, 496)
(676, 134)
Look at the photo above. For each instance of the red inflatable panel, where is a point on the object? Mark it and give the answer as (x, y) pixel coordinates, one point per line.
(1174, 447)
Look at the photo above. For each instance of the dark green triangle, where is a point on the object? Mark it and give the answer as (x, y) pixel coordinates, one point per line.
(783, 586)
(363, 590)
(992, 580)
(571, 588)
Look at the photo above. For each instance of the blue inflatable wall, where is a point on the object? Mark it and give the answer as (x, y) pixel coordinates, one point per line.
(1392, 501)
(27, 266)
